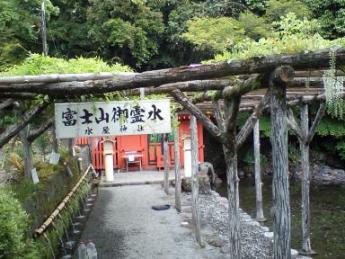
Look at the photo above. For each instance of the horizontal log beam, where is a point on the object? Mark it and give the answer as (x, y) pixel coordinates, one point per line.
(191, 86)
(250, 84)
(312, 60)
(55, 78)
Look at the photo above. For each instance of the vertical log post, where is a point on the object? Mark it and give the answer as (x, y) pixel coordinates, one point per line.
(195, 183)
(279, 142)
(70, 146)
(27, 151)
(231, 108)
(55, 144)
(304, 146)
(258, 183)
(177, 170)
(230, 154)
(166, 163)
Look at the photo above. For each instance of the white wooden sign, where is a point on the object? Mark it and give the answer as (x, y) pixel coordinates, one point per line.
(54, 158)
(34, 176)
(112, 118)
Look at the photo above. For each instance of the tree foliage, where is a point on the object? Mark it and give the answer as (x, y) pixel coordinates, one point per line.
(331, 16)
(37, 64)
(125, 30)
(291, 35)
(214, 33)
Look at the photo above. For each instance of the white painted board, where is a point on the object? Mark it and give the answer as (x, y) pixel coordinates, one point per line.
(112, 118)
(54, 158)
(34, 176)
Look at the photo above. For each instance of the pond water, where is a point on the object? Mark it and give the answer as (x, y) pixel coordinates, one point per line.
(327, 214)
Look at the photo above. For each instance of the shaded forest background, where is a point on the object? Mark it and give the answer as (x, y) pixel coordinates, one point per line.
(150, 34)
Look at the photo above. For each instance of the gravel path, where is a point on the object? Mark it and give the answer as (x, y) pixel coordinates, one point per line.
(123, 225)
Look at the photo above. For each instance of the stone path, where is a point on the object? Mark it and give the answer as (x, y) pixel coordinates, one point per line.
(123, 225)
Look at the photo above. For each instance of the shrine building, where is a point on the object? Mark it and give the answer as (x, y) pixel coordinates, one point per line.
(143, 152)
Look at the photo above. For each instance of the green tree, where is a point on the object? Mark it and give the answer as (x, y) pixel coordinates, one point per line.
(125, 31)
(276, 9)
(20, 26)
(331, 15)
(216, 34)
(14, 223)
(67, 30)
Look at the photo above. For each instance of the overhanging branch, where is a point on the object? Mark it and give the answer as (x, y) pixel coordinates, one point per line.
(250, 122)
(293, 125)
(319, 115)
(13, 130)
(35, 133)
(188, 105)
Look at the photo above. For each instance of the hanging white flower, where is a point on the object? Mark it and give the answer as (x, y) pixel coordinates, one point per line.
(334, 88)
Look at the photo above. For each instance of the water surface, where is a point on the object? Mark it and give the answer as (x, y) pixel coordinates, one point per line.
(327, 214)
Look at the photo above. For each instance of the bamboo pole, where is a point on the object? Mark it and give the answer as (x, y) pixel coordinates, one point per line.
(62, 204)
(177, 171)
(258, 183)
(195, 183)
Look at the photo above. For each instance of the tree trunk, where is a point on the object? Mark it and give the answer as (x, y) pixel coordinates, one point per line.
(177, 171)
(166, 163)
(230, 155)
(258, 182)
(44, 29)
(195, 183)
(27, 150)
(304, 146)
(280, 185)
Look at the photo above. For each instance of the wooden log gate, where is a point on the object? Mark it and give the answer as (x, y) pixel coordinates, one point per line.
(273, 72)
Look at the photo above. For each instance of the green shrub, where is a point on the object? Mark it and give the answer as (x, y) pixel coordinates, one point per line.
(13, 226)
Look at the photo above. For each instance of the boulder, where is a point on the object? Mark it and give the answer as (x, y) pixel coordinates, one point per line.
(204, 184)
